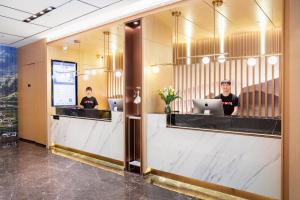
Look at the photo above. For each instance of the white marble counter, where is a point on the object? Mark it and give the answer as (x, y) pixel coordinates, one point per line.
(247, 163)
(104, 138)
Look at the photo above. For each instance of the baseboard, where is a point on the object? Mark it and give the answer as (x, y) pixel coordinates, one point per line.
(32, 142)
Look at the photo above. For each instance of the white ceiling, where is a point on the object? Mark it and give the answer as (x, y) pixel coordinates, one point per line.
(70, 16)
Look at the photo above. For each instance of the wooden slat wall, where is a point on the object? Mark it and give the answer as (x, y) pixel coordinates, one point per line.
(196, 80)
(115, 84)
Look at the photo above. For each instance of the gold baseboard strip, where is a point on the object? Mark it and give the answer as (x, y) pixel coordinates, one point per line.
(97, 161)
(199, 189)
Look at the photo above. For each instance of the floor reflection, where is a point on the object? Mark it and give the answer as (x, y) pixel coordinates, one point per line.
(28, 171)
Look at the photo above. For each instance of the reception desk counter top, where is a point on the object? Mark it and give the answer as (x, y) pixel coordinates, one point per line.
(84, 113)
(264, 126)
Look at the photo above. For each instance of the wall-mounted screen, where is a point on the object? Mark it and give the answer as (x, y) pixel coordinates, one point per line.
(64, 83)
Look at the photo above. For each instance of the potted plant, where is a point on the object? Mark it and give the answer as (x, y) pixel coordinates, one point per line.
(168, 95)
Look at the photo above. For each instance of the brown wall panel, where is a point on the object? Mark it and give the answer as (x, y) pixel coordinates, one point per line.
(32, 91)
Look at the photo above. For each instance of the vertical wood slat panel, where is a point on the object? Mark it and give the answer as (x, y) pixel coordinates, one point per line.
(214, 81)
(200, 81)
(194, 78)
(280, 85)
(182, 91)
(204, 80)
(273, 93)
(242, 94)
(174, 74)
(253, 91)
(186, 87)
(178, 85)
(209, 80)
(191, 87)
(114, 85)
(195, 72)
(266, 87)
(182, 77)
(235, 76)
(219, 85)
(259, 87)
(247, 90)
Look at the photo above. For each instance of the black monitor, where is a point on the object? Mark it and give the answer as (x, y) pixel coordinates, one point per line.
(208, 106)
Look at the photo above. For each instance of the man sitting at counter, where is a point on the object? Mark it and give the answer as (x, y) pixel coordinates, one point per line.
(230, 101)
(89, 102)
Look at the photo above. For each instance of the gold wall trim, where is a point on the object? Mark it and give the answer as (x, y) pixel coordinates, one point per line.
(98, 157)
(211, 186)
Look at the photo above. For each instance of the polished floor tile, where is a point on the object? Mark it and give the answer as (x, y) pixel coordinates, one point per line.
(28, 171)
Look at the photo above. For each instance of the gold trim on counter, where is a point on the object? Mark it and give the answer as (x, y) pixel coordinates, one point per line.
(98, 161)
(199, 189)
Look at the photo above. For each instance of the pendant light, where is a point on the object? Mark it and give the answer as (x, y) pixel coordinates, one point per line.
(176, 15)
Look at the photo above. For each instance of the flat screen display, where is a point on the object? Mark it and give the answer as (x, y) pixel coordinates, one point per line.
(64, 83)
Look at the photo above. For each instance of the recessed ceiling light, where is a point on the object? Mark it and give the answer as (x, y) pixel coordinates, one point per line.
(39, 14)
(85, 77)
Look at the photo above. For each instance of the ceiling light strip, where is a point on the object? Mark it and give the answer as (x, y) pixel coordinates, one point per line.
(39, 14)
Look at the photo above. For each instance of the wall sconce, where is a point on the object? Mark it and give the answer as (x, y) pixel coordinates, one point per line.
(94, 72)
(87, 72)
(272, 60)
(205, 60)
(221, 59)
(155, 69)
(85, 77)
(251, 62)
(65, 48)
(118, 73)
(101, 59)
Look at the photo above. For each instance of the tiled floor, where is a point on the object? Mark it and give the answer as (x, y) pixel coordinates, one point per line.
(28, 171)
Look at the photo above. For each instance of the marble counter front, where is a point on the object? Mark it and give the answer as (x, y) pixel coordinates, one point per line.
(244, 162)
(104, 138)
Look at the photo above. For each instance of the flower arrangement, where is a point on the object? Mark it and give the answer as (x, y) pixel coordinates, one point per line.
(168, 95)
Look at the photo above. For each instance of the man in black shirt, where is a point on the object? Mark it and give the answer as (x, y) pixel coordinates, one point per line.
(230, 101)
(88, 102)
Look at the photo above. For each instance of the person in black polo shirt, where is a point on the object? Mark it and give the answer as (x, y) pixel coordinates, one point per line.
(88, 102)
(230, 101)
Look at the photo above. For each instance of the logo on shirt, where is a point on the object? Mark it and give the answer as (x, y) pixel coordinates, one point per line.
(227, 103)
(88, 101)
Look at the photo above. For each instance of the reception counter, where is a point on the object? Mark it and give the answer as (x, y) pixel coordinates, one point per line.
(189, 146)
(98, 132)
